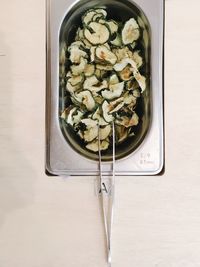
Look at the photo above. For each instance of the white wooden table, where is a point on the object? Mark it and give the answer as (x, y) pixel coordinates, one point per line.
(54, 222)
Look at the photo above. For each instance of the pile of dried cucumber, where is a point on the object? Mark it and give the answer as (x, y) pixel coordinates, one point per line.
(103, 79)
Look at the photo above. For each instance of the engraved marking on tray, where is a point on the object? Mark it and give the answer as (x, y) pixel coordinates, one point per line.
(105, 188)
(146, 158)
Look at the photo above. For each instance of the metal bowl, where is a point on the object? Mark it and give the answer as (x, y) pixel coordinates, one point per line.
(120, 11)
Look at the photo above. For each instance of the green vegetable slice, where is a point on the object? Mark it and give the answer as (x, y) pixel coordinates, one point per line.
(130, 32)
(115, 105)
(67, 115)
(91, 131)
(70, 116)
(130, 99)
(94, 146)
(117, 108)
(139, 78)
(138, 59)
(90, 81)
(92, 53)
(113, 26)
(87, 18)
(94, 85)
(113, 79)
(89, 70)
(102, 11)
(96, 33)
(128, 122)
(131, 85)
(78, 69)
(104, 132)
(79, 34)
(122, 133)
(69, 74)
(136, 93)
(133, 45)
(126, 74)
(98, 73)
(104, 67)
(105, 55)
(76, 54)
(124, 62)
(97, 116)
(117, 41)
(77, 43)
(115, 91)
(86, 98)
(75, 80)
(71, 88)
(106, 109)
(77, 116)
(87, 44)
(97, 16)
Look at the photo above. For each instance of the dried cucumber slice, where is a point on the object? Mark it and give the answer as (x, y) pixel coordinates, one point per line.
(78, 69)
(67, 115)
(113, 79)
(117, 41)
(94, 85)
(104, 67)
(91, 131)
(72, 116)
(75, 80)
(94, 146)
(89, 70)
(85, 97)
(104, 132)
(97, 17)
(128, 122)
(97, 116)
(115, 91)
(112, 25)
(106, 109)
(105, 55)
(127, 72)
(101, 10)
(76, 54)
(70, 88)
(130, 32)
(96, 33)
(87, 17)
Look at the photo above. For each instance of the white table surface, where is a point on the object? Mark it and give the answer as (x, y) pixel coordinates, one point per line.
(55, 222)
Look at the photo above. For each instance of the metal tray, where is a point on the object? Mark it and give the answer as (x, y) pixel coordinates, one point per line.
(144, 154)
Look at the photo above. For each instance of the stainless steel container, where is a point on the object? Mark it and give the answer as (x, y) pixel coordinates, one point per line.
(144, 153)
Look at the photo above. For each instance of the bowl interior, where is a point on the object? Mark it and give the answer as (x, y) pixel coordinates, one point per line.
(119, 11)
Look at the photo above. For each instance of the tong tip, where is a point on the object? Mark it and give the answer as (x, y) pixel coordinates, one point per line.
(109, 258)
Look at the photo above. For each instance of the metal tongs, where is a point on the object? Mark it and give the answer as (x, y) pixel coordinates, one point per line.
(107, 216)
